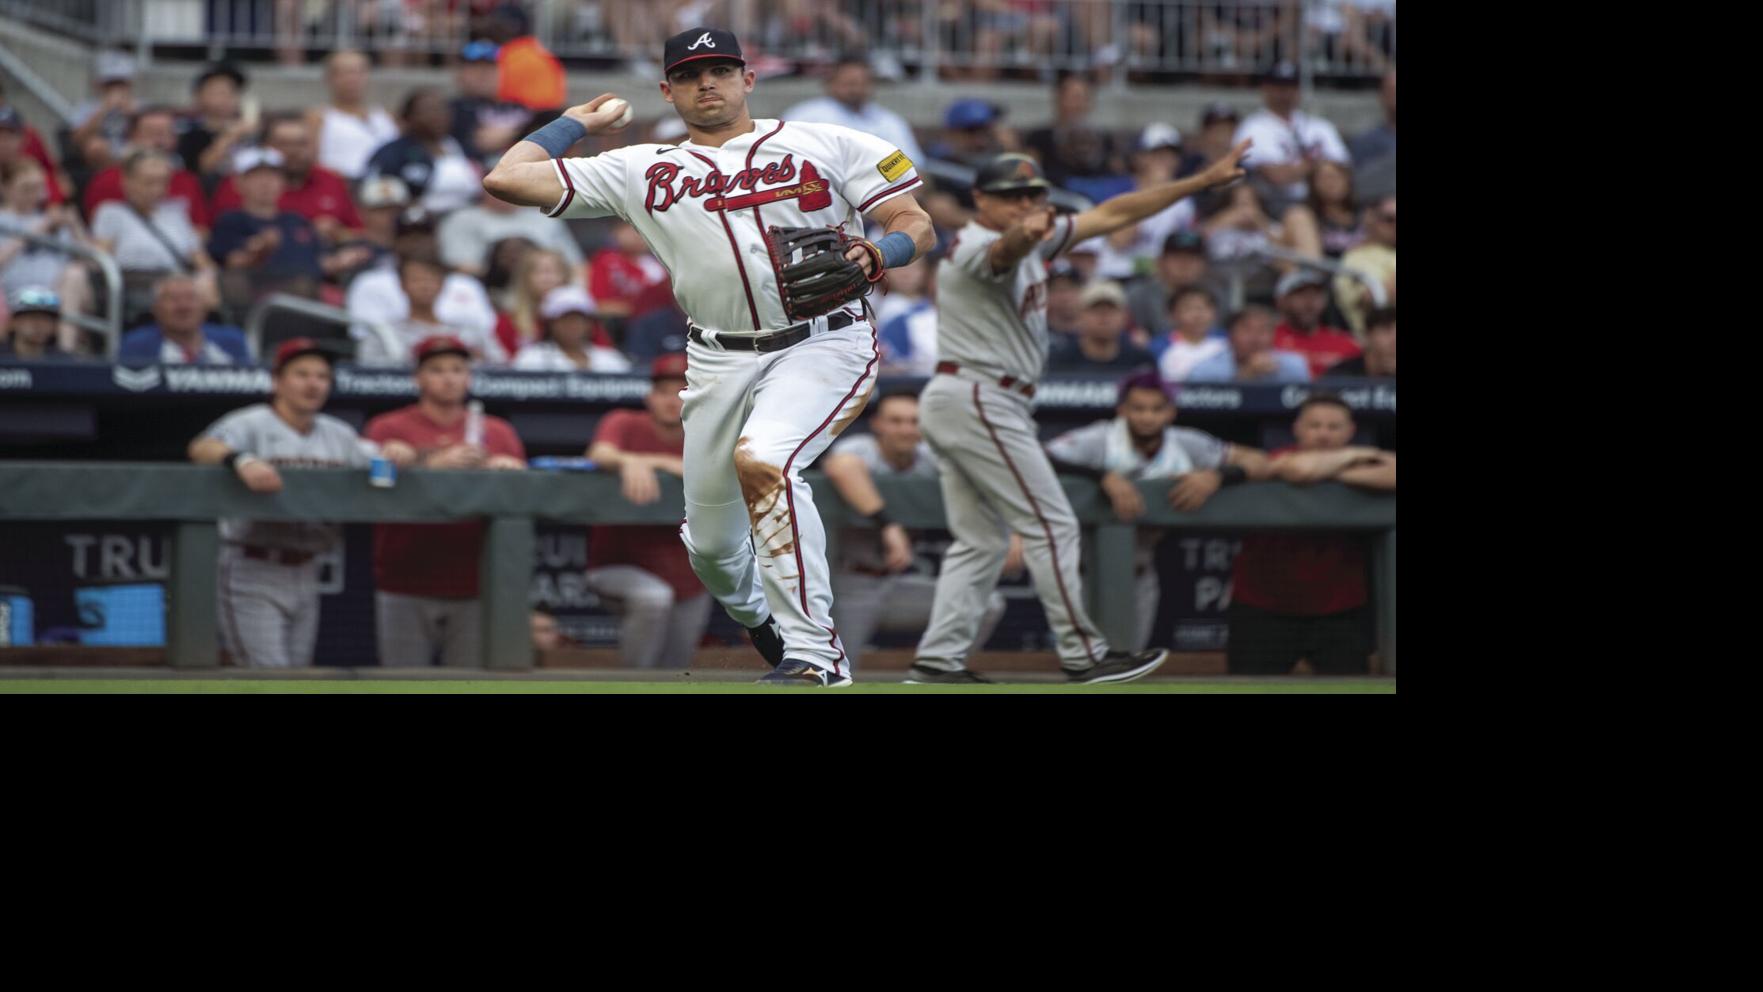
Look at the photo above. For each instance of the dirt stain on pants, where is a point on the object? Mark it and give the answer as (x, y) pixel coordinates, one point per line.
(762, 486)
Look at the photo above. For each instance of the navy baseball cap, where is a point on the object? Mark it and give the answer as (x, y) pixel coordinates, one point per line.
(964, 114)
(1283, 73)
(10, 120)
(479, 51)
(1010, 171)
(701, 43)
(1182, 241)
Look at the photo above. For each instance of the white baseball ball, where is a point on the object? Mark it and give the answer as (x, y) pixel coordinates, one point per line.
(618, 103)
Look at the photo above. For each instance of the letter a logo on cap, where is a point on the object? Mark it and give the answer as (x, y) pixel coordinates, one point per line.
(703, 39)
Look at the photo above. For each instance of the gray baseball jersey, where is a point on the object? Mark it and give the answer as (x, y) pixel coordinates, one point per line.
(1107, 445)
(258, 431)
(996, 323)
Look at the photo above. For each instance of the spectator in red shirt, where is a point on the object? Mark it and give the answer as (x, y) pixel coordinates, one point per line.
(619, 274)
(1303, 296)
(1303, 595)
(154, 129)
(314, 192)
(20, 140)
(426, 575)
(642, 571)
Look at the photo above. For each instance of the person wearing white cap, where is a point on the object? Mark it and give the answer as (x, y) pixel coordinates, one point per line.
(107, 115)
(568, 313)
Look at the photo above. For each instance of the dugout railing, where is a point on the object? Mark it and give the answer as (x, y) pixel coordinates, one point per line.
(193, 498)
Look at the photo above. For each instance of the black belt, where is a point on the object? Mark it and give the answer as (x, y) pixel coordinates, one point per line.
(281, 556)
(776, 340)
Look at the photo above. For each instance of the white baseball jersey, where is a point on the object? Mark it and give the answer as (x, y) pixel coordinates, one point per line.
(258, 431)
(991, 322)
(1107, 445)
(1285, 142)
(703, 210)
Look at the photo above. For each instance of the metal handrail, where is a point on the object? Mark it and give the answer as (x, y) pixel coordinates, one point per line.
(36, 85)
(318, 311)
(111, 326)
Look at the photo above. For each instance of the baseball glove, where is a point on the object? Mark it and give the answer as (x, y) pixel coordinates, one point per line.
(813, 275)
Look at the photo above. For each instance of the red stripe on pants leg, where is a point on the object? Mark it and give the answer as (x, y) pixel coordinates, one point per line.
(1052, 546)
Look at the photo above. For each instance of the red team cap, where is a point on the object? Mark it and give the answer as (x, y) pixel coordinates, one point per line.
(701, 43)
(295, 347)
(440, 344)
(669, 366)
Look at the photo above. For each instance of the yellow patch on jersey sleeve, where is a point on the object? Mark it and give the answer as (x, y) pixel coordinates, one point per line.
(894, 166)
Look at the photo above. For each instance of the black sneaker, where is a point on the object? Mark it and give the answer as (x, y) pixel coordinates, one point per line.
(793, 672)
(1120, 666)
(769, 639)
(920, 675)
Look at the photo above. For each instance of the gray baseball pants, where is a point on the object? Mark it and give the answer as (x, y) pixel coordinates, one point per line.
(864, 605)
(415, 630)
(268, 611)
(996, 478)
(656, 630)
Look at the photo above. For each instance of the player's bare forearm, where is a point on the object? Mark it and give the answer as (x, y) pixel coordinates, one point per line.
(851, 478)
(1379, 474)
(900, 214)
(610, 458)
(524, 176)
(1252, 461)
(208, 451)
(1301, 467)
(1117, 212)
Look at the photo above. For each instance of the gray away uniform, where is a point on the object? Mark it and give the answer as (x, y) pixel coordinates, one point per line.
(268, 610)
(866, 597)
(995, 474)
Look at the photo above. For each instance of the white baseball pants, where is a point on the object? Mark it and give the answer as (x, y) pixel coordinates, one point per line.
(752, 421)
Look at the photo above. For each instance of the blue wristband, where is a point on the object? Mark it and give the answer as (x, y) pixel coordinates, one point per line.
(896, 249)
(557, 136)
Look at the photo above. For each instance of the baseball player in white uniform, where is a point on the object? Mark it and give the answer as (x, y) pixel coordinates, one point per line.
(268, 570)
(978, 416)
(765, 394)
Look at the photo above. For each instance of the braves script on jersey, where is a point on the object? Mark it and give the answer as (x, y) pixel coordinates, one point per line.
(687, 200)
(997, 323)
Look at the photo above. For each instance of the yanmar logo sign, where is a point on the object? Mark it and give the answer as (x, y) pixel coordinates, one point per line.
(15, 378)
(216, 379)
(136, 380)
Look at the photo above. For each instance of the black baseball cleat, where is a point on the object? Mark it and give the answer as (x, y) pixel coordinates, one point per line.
(920, 675)
(793, 672)
(1121, 666)
(769, 639)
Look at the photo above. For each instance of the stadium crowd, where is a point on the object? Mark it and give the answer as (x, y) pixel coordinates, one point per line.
(210, 208)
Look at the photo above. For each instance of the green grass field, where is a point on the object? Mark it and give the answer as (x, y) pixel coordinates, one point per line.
(504, 687)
